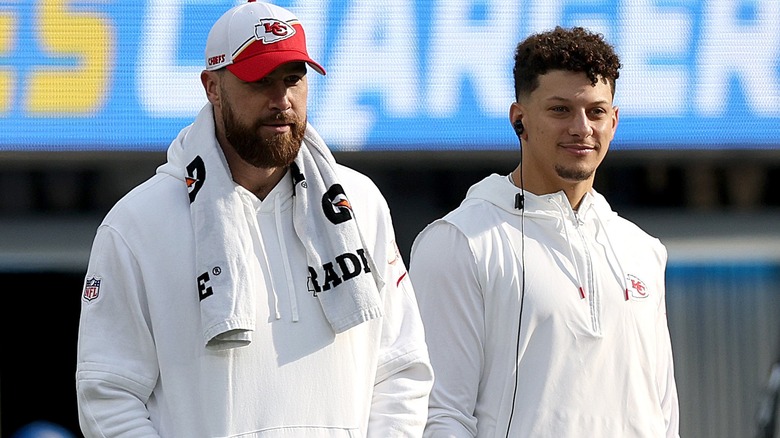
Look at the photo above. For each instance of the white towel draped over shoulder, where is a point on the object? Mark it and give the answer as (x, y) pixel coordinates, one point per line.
(323, 220)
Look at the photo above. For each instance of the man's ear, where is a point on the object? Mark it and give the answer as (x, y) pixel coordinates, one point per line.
(516, 117)
(615, 119)
(210, 81)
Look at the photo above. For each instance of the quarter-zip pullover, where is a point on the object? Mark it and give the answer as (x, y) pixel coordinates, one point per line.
(591, 354)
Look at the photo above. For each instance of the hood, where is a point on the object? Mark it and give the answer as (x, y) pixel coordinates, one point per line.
(202, 129)
(501, 192)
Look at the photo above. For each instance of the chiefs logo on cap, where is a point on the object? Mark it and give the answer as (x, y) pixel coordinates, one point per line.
(270, 30)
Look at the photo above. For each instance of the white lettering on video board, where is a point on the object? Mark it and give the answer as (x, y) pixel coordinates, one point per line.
(387, 61)
(375, 54)
(655, 75)
(167, 89)
(751, 53)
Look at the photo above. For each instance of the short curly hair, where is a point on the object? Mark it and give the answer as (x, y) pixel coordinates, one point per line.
(576, 50)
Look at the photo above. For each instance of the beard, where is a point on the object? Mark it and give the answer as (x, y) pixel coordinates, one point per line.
(573, 174)
(277, 150)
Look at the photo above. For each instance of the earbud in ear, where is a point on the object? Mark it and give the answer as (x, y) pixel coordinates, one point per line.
(518, 125)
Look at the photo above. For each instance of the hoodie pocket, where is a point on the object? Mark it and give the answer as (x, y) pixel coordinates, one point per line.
(303, 432)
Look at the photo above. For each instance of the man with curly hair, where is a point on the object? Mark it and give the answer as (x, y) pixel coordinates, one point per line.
(545, 311)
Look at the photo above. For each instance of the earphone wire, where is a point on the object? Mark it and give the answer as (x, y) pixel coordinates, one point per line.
(522, 296)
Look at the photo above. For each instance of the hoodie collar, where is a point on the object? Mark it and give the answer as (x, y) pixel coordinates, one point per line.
(501, 192)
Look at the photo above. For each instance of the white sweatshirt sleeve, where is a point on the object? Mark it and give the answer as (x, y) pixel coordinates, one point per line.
(116, 360)
(666, 381)
(404, 376)
(443, 272)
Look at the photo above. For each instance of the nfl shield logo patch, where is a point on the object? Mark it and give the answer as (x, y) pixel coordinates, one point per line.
(91, 288)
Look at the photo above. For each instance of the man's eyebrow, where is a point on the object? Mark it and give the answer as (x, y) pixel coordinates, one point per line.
(564, 99)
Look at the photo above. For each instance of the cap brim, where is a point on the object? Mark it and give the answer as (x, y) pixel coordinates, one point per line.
(257, 67)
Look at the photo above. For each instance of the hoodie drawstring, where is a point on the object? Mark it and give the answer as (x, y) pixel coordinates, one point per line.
(259, 238)
(285, 260)
(623, 279)
(580, 285)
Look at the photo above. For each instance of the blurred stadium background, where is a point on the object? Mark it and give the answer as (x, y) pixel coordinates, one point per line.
(417, 96)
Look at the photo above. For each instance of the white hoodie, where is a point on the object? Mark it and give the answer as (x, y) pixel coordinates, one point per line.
(143, 370)
(593, 356)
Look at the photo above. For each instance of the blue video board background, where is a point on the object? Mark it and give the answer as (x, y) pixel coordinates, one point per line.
(402, 75)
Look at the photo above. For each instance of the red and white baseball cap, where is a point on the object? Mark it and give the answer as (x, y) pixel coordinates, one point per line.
(254, 38)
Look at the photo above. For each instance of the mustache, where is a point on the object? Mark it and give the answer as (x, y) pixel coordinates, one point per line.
(280, 118)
